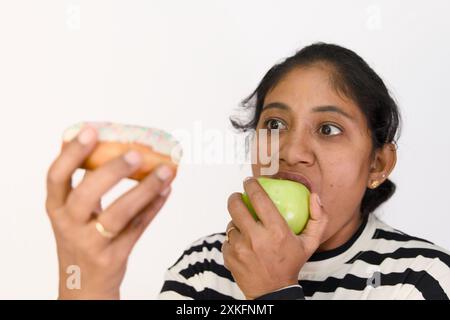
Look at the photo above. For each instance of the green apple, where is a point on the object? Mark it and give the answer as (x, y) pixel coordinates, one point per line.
(291, 199)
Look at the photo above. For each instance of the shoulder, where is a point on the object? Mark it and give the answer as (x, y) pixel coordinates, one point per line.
(408, 260)
(402, 245)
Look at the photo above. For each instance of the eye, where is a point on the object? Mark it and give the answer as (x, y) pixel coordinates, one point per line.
(274, 124)
(329, 130)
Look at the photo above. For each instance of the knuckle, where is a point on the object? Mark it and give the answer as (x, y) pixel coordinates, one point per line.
(53, 176)
(278, 235)
(60, 222)
(67, 235)
(240, 251)
(122, 165)
(152, 185)
(79, 195)
(256, 244)
(254, 193)
(108, 172)
(49, 209)
(63, 225)
(112, 170)
(257, 195)
(117, 214)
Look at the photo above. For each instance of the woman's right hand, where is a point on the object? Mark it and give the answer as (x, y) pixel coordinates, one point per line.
(76, 217)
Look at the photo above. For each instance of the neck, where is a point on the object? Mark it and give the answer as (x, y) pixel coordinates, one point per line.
(343, 234)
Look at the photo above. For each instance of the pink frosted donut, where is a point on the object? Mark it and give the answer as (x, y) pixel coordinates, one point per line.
(156, 146)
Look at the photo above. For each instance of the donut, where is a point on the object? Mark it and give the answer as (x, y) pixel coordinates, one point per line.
(155, 146)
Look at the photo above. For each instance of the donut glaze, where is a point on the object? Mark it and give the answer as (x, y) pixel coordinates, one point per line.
(155, 146)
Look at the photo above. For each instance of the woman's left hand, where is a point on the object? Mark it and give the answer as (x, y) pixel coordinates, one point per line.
(265, 256)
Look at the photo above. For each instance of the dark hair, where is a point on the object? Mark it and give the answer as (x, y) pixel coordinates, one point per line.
(355, 79)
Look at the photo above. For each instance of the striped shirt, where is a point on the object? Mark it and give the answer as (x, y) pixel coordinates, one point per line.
(378, 262)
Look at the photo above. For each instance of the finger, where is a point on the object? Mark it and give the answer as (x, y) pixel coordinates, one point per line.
(229, 225)
(228, 230)
(240, 214)
(98, 207)
(226, 254)
(315, 228)
(228, 246)
(235, 238)
(236, 245)
(231, 228)
(83, 200)
(126, 241)
(60, 173)
(264, 207)
(117, 216)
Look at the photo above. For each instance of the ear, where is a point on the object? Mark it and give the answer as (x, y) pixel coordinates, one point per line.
(383, 163)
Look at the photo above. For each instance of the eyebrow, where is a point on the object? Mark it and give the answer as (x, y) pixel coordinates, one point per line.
(283, 106)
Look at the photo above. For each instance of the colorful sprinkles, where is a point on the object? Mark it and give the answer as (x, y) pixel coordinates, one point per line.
(161, 141)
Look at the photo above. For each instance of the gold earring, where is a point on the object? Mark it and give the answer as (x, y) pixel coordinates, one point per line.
(374, 184)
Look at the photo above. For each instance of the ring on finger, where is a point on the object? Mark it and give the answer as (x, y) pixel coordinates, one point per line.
(103, 231)
(227, 236)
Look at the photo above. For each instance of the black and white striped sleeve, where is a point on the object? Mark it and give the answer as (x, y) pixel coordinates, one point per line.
(294, 292)
(200, 273)
(432, 283)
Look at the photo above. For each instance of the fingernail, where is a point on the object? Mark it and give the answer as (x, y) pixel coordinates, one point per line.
(248, 179)
(165, 192)
(132, 157)
(86, 136)
(163, 173)
(319, 202)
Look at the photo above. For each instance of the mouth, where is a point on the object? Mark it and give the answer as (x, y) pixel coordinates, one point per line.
(294, 177)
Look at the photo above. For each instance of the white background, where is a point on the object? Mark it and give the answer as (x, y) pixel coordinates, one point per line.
(171, 64)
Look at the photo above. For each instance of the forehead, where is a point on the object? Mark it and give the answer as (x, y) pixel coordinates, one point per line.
(304, 88)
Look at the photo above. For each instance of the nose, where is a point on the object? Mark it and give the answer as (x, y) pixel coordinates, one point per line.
(296, 148)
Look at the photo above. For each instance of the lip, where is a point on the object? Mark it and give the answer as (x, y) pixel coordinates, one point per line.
(294, 177)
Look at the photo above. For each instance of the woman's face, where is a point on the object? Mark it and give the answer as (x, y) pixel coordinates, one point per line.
(323, 137)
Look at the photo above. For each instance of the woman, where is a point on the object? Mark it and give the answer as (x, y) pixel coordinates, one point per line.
(337, 126)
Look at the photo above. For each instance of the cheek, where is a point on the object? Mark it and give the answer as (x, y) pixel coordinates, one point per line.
(343, 187)
(344, 181)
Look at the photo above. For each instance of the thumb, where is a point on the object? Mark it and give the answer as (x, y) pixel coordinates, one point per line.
(312, 235)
